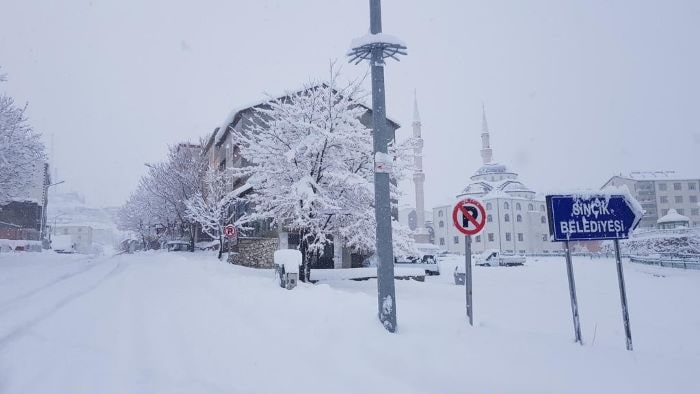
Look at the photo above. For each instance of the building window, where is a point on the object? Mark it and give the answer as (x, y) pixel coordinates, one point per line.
(489, 218)
(693, 198)
(691, 185)
(506, 218)
(664, 212)
(678, 199)
(519, 218)
(543, 220)
(520, 237)
(544, 237)
(662, 186)
(441, 224)
(488, 205)
(456, 239)
(680, 211)
(508, 237)
(677, 186)
(695, 211)
(517, 206)
(506, 205)
(490, 237)
(530, 207)
(440, 213)
(478, 238)
(442, 241)
(542, 208)
(663, 199)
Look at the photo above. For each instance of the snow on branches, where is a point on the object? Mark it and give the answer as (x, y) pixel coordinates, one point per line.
(20, 149)
(310, 164)
(159, 200)
(215, 206)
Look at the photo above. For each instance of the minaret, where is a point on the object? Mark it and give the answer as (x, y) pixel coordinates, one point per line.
(486, 152)
(421, 234)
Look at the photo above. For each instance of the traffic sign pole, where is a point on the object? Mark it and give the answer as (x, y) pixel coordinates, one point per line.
(572, 294)
(468, 277)
(623, 297)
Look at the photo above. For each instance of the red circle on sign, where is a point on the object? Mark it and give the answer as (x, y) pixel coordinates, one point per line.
(230, 231)
(460, 207)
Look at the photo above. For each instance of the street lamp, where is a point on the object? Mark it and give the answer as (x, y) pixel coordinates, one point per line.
(375, 47)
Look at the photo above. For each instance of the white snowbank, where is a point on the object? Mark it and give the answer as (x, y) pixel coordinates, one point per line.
(361, 273)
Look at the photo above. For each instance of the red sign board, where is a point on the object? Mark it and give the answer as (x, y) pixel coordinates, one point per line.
(230, 231)
(469, 216)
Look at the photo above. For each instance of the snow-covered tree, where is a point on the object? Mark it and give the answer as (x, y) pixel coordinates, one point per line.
(20, 149)
(215, 206)
(310, 164)
(159, 200)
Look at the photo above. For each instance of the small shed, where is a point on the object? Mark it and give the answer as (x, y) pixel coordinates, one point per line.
(673, 220)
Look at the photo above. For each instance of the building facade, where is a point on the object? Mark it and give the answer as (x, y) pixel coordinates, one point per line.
(24, 218)
(659, 192)
(516, 216)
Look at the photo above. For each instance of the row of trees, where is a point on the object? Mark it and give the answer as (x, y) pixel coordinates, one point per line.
(21, 148)
(309, 164)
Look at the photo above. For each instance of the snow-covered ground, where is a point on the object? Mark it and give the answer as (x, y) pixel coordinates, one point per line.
(182, 323)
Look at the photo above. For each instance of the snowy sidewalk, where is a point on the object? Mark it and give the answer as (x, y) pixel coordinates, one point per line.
(183, 323)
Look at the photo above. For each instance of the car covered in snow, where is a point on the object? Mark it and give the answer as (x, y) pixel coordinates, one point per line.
(427, 259)
(494, 258)
(62, 244)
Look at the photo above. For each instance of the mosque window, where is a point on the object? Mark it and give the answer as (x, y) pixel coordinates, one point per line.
(530, 207)
(488, 205)
(506, 205)
(542, 207)
(490, 237)
(519, 218)
(543, 220)
(506, 218)
(507, 236)
(456, 240)
(440, 213)
(489, 218)
(478, 238)
(520, 237)
(517, 206)
(441, 224)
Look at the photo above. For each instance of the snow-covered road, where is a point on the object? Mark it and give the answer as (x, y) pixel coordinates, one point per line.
(183, 323)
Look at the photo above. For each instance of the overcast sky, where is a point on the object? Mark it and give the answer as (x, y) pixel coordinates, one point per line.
(575, 91)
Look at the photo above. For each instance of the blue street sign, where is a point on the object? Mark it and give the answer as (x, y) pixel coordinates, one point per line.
(591, 217)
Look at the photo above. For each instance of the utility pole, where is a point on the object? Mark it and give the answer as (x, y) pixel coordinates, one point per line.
(375, 48)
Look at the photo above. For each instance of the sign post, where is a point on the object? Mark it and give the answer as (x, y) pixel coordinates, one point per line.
(594, 217)
(473, 220)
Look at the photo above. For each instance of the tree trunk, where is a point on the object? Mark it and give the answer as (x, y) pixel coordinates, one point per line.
(221, 246)
(193, 230)
(303, 248)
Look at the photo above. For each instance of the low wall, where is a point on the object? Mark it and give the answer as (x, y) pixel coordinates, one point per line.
(254, 252)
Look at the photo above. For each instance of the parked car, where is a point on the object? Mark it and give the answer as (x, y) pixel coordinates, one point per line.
(62, 244)
(494, 258)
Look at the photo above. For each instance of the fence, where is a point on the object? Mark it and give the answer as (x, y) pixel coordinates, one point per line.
(686, 262)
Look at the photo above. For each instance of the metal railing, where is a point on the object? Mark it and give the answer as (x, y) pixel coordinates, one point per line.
(673, 262)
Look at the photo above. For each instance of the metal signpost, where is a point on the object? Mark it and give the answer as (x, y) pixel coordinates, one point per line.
(469, 217)
(593, 217)
(376, 51)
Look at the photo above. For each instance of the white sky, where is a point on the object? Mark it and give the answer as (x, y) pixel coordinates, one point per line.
(574, 91)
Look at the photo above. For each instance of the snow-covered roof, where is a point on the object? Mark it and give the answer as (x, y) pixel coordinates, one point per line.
(493, 168)
(223, 129)
(673, 217)
(658, 175)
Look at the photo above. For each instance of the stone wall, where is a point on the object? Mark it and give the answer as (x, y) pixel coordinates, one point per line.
(254, 252)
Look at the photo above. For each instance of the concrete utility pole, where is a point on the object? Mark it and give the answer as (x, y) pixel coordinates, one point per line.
(375, 49)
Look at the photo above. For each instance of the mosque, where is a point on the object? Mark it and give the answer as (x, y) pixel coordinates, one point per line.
(516, 215)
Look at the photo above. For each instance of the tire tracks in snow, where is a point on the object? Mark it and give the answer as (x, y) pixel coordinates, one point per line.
(10, 303)
(28, 324)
